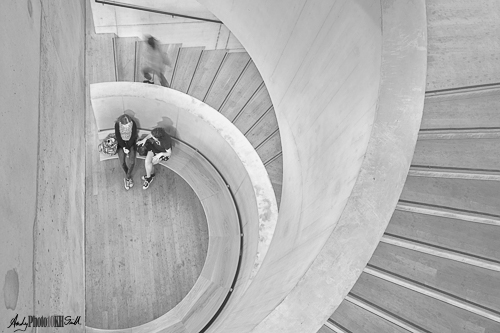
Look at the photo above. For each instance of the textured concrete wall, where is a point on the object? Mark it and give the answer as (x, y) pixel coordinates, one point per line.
(43, 183)
(59, 258)
(19, 65)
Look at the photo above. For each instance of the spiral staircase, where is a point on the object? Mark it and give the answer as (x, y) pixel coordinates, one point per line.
(439, 256)
(386, 162)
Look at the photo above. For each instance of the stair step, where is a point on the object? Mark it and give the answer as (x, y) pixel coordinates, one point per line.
(188, 60)
(208, 67)
(99, 52)
(125, 49)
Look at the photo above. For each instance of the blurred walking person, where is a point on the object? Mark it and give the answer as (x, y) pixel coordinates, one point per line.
(155, 62)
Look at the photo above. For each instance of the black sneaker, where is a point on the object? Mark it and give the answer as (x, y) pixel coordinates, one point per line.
(147, 181)
(148, 81)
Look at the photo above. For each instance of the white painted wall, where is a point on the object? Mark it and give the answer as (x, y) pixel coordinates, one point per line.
(125, 22)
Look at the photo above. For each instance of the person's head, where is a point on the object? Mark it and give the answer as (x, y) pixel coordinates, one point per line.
(125, 125)
(152, 42)
(158, 133)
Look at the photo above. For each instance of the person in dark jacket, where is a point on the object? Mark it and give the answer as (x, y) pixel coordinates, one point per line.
(159, 148)
(126, 135)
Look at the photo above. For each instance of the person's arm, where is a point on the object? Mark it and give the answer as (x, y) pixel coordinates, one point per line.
(143, 141)
(133, 136)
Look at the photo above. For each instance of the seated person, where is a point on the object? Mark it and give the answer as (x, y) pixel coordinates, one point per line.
(126, 136)
(159, 148)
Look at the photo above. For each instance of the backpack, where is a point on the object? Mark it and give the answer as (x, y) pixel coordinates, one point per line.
(108, 145)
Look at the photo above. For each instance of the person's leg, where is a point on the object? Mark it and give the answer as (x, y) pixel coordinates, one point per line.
(146, 72)
(131, 163)
(121, 157)
(148, 163)
(163, 80)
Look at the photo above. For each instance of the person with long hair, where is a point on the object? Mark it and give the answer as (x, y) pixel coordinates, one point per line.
(159, 148)
(126, 135)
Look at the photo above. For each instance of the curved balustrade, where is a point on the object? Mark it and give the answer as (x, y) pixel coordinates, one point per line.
(221, 264)
(347, 81)
(233, 163)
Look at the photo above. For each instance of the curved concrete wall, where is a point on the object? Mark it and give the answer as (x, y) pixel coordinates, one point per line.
(216, 138)
(341, 102)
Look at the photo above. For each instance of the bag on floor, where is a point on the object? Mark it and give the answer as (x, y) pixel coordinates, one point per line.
(142, 150)
(108, 145)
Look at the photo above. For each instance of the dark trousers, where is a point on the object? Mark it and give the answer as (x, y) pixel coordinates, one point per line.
(131, 160)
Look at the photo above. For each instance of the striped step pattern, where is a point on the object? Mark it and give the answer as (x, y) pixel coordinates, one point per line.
(437, 267)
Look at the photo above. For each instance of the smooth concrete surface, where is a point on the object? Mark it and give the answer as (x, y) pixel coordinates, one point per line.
(126, 22)
(347, 115)
(19, 65)
(43, 98)
(216, 138)
(295, 47)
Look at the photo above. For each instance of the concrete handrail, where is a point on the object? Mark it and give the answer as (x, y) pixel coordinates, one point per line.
(230, 153)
